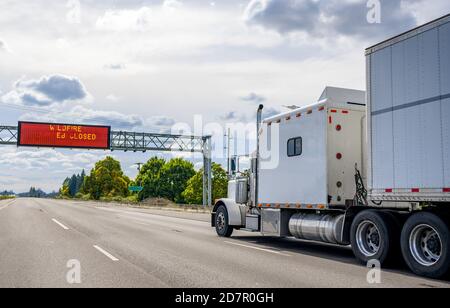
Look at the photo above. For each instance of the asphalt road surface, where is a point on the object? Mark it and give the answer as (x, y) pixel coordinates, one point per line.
(126, 247)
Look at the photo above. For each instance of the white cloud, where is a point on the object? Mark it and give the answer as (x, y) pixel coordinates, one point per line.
(44, 159)
(172, 4)
(117, 120)
(115, 66)
(122, 20)
(112, 98)
(44, 168)
(46, 91)
(73, 15)
(234, 116)
(423, 11)
(83, 115)
(329, 18)
(253, 98)
(3, 46)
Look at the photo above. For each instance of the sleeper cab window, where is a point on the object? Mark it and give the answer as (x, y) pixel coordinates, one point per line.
(294, 147)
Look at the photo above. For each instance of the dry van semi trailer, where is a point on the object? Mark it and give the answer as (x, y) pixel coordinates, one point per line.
(367, 169)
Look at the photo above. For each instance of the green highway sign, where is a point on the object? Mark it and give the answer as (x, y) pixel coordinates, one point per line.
(135, 188)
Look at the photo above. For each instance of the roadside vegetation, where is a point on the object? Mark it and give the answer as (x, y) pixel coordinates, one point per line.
(33, 192)
(175, 181)
(7, 195)
(2, 197)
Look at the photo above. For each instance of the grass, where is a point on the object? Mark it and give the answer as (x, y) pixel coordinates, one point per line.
(7, 197)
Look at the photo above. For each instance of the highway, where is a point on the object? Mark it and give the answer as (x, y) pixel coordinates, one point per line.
(127, 247)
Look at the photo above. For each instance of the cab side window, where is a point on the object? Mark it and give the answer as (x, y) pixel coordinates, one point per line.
(295, 147)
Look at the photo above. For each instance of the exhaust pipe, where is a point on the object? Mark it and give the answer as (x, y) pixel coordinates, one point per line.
(258, 127)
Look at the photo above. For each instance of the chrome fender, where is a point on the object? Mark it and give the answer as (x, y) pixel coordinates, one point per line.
(236, 212)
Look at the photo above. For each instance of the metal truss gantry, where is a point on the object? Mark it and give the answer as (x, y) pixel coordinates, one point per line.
(143, 142)
(8, 135)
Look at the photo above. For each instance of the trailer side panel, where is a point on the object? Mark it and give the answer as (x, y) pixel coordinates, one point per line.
(408, 106)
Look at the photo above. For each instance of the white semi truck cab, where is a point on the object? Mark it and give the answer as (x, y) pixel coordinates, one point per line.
(367, 169)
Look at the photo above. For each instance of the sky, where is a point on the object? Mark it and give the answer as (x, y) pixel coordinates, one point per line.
(151, 65)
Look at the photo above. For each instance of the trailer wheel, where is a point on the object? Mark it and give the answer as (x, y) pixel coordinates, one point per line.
(374, 236)
(425, 245)
(223, 228)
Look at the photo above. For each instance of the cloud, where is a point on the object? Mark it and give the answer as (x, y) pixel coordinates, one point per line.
(161, 121)
(140, 19)
(253, 98)
(122, 20)
(32, 100)
(3, 46)
(115, 119)
(46, 91)
(231, 116)
(115, 66)
(59, 88)
(328, 17)
(73, 16)
(270, 112)
(46, 158)
(83, 115)
(112, 98)
(172, 4)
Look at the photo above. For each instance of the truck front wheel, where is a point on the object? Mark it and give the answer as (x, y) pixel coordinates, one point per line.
(223, 228)
(425, 245)
(373, 236)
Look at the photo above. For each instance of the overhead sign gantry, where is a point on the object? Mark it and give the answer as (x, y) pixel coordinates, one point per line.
(34, 134)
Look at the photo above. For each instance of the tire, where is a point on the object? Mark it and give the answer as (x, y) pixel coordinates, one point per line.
(223, 228)
(425, 245)
(375, 235)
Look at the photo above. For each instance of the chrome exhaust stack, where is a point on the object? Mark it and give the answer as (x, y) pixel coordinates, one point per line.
(258, 127)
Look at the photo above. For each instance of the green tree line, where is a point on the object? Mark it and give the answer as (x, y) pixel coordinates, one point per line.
(175, 180)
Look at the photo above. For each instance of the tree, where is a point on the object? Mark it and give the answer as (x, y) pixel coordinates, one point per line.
(164, 179)
(174, 177)
(149, 178)
(64, 191)
(73, 186)
(80, 181)
(193, 194)
(106, 180)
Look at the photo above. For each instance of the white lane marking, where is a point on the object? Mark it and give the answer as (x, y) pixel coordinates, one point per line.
(60, 224)
(7, 204)
(258, 248)
(106, 253)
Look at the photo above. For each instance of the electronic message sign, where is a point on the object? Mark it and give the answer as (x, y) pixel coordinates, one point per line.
(54, 135)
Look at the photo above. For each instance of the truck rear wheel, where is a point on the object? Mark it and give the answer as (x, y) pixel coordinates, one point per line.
(425, 245)
(374, 236)
(223, 228)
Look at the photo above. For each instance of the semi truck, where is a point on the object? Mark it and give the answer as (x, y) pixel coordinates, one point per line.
(369, 169)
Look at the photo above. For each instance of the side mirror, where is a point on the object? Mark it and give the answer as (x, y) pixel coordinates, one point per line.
(233, 165)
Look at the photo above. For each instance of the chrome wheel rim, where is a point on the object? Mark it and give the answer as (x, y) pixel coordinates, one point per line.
(425, 245)
(368, 238)
(220, 221)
